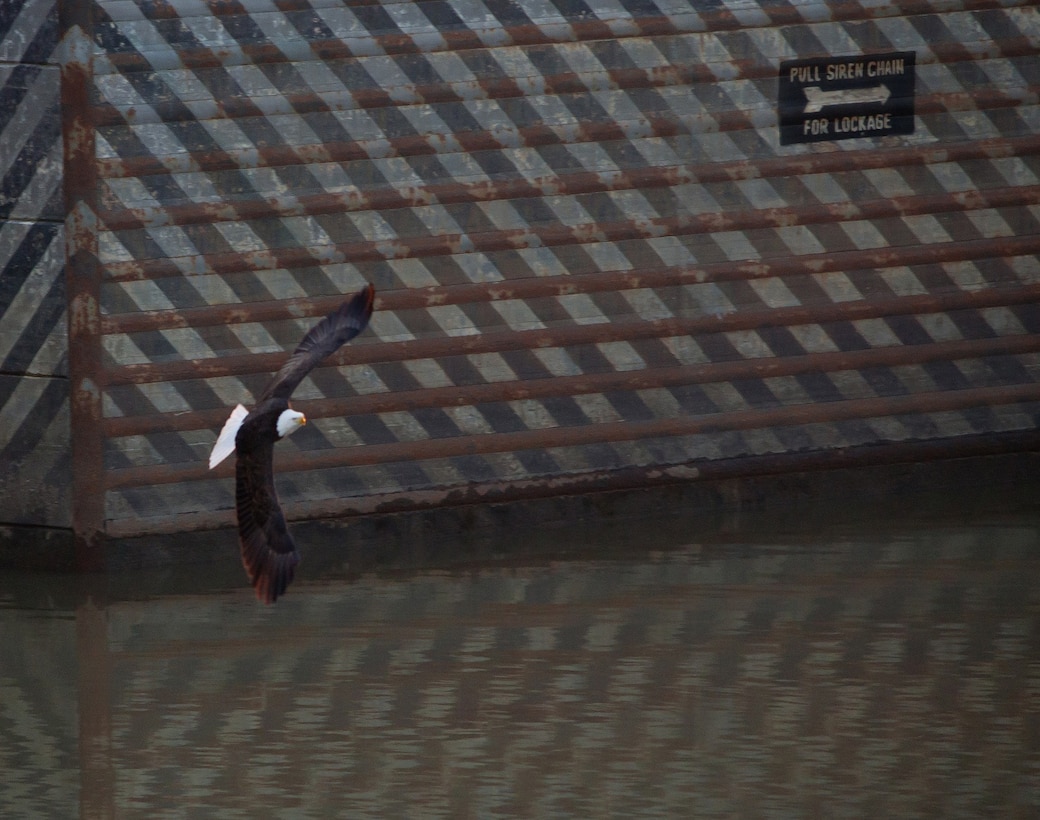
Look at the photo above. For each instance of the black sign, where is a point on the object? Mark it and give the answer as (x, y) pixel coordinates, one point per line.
(838, 98)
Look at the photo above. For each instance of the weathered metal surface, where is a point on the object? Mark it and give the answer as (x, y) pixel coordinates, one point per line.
(83, 281)
(34, 422)
(32, 298)
(595, 263)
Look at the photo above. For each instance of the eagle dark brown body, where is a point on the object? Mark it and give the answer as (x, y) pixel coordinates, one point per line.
(268, 550)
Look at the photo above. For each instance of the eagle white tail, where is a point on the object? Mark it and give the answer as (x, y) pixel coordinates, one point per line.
(225, 445)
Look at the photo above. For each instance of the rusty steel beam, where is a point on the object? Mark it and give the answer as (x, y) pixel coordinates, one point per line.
(399, 43)
(563, 336)
(418, 145)
(304, 103)
(734, 69)
(718, 19)
(975, 100)
(584, 283)
(631, 478)
(646, 477)
(82, 283)
(570, 184)
(556, 234)
(108, 115)
(741, 369)
(530, 136)
(606, 432)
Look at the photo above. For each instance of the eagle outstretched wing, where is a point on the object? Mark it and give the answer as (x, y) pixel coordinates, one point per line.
(331, 333)
(268, 550)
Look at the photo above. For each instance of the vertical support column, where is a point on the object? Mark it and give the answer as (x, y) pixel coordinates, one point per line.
(83, 286)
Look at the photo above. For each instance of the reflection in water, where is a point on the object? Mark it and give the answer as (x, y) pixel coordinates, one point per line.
(895, 675)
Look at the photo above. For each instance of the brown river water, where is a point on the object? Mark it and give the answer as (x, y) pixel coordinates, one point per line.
(884, 668)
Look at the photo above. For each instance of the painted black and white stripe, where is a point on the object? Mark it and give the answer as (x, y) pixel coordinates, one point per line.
(34, 425)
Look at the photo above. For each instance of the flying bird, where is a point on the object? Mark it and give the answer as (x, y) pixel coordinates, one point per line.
(268, 551)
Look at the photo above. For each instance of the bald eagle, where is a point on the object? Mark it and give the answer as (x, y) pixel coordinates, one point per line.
(268, 551)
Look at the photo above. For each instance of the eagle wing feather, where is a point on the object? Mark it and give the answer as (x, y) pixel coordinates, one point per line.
(331, 333)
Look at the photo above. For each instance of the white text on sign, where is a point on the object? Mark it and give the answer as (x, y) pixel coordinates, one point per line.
(864, 123)
(847, 71)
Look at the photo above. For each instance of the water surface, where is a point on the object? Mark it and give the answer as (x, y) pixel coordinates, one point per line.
(882, 670)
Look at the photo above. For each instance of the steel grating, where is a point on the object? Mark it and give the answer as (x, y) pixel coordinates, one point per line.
(591, 253)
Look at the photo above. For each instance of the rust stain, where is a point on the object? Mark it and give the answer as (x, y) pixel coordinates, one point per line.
(707, 19)
(917, 403)
(556, 234)
(84, 317)
(721, 372)
(562, 336)
(606, 481)
(82, 284)
(596, 282)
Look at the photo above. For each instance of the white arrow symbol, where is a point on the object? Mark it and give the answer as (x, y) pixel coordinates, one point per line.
(818, 99)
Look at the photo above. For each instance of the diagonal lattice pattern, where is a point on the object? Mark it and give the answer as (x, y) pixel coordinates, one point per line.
(592, 254)
(34, 416)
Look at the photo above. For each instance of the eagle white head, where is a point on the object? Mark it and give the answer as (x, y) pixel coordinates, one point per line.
(289, 421)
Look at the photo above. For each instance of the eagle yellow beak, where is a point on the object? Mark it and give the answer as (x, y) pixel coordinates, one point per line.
(302, 421)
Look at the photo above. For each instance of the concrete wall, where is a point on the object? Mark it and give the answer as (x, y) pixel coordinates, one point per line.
(601, 261)
(598, 263)
(34, 418)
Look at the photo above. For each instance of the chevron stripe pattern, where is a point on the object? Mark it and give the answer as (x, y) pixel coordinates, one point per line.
(888, 675)
(34, 425)
(591, 253)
